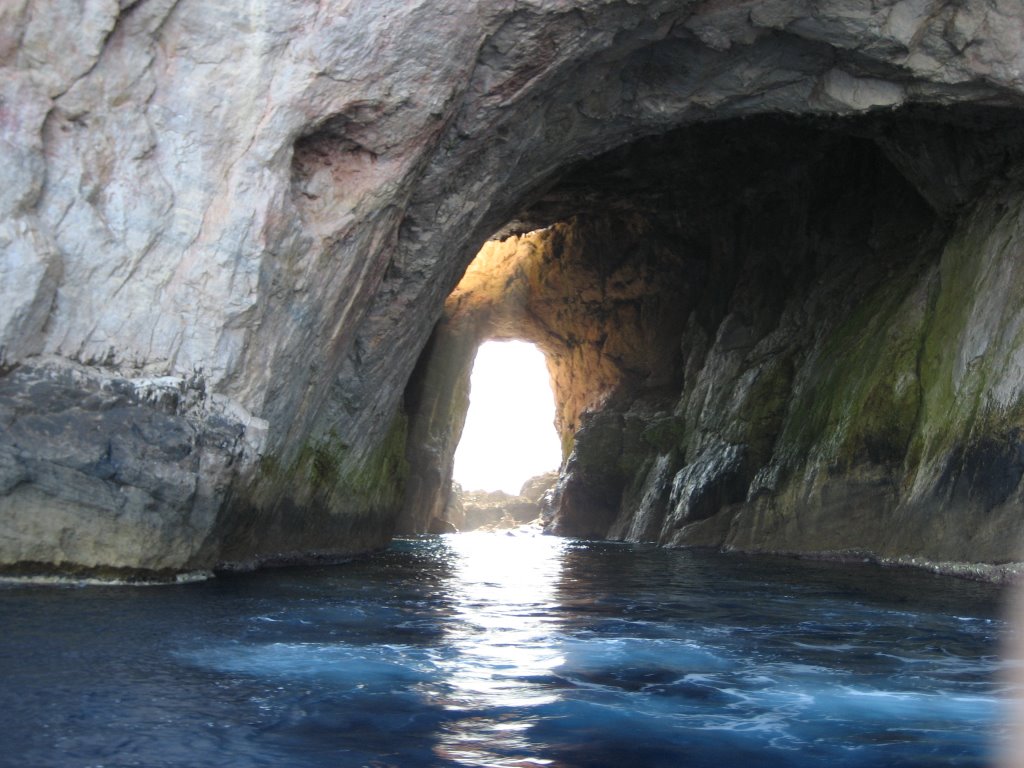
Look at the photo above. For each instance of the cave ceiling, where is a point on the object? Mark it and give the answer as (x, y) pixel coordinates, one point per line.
(948, 153)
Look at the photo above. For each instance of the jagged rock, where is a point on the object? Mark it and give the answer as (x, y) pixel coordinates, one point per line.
(707, 484)
(94, 471)
(780, 404)
(438, 526)
(535, 488)
(280, 197)
(454, 510)
(496, 510)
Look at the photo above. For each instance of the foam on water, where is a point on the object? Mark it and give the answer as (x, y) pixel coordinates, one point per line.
(493, 650)
(384, 667)
(186, 577)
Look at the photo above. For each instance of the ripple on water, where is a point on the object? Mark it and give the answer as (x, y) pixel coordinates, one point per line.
(509, 651)
(384, 667)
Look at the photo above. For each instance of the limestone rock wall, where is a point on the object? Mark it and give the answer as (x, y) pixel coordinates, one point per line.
(277, 197)
(780, 337)
(901, 434)
(854, 388)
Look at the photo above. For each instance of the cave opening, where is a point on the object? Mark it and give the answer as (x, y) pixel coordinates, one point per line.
(509, 434)
(773, 254)
(744, 322)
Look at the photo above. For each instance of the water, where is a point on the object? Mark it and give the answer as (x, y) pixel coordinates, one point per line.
(499, 650)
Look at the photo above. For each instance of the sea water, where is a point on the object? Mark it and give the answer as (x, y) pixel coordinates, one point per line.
(509, 650)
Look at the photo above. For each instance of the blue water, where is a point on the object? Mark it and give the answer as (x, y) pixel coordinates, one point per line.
(501, 650)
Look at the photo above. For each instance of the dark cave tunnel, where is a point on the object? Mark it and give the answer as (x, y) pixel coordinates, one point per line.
(726, 310)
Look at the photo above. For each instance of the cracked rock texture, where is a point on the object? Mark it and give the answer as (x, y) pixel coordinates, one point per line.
(756, 336)
(276, 198)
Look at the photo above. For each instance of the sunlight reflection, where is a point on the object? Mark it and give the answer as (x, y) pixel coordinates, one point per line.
(502, 639)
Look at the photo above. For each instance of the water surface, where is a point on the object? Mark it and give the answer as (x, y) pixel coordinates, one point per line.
(502, 650)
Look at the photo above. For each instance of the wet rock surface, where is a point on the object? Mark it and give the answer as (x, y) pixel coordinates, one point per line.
(114, 473)
(762, 371)
(279, 198)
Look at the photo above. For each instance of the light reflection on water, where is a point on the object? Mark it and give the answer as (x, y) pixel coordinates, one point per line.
(502, 640)
(509, 650)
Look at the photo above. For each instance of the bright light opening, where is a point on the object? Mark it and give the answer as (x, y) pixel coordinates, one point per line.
(509, 435)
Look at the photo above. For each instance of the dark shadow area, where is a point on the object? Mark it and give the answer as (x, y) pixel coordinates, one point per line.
(728, 310)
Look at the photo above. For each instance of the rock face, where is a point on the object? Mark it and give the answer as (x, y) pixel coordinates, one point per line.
(116, 468)
(492, 510)
(495, 509)
(750, 327)
(473, 510)
(275, 201)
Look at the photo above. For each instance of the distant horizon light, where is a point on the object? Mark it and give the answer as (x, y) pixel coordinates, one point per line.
(509, 435)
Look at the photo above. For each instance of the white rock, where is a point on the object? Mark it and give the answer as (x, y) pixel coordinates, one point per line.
(844, 93)
(279, 194)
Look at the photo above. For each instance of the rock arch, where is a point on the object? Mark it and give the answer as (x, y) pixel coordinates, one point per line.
(744, 324)
(214, 297)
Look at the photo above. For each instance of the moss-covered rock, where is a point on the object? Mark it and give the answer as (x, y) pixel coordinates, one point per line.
(350, 503)
(796, 353)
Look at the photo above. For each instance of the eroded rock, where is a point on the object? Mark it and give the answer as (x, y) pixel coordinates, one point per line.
(115, 473)
(498, 510)
(279, 198)
(785, 399)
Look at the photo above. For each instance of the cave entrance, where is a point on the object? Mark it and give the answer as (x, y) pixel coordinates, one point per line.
(719, 306)
(509, 434)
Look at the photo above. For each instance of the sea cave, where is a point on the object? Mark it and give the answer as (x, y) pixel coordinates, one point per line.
(771, 253)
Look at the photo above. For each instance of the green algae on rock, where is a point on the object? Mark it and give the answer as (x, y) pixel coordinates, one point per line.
(290, 237)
